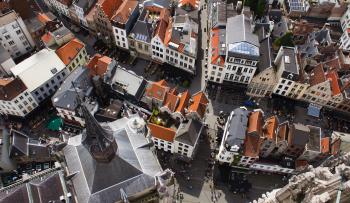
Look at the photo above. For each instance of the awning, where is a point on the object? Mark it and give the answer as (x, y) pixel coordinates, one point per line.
(314, 110)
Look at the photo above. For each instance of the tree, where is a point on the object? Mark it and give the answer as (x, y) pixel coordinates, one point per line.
(285, 40)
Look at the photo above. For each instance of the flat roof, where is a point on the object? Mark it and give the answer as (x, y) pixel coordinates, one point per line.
(128, 80)
(42, 66)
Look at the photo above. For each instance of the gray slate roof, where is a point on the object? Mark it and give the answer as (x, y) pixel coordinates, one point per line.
(239, 29)
(237, 127)
(142, 31)
(266, 56)
(131, 170)
(65, 97)
(189, 132)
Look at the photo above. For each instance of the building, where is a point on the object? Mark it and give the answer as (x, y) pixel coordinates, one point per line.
(269, 137)
(101, 174)
(73, 54)
(23, 149)
(6, 163)
(78, 83)
(140, 35)
(241, 53)
(105, 10)
(82, 8)
(15, 37)
(6, 62)
(233, 137)
(295, 8)
(125, 84)
(264, 81)
(15, 98)
(180, 139)
(99, 65)
(61, 6)
(49, 72)
(181, 43)
(123, 21)
(289, 76)
(313, 147)
(57, 36)
(45, 186)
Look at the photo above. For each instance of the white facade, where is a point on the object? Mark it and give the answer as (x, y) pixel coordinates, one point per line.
(239, 70)
(180, 60)
(80, 13)
(21, 105)
(14, 36)
(47, 68)
(120, 37)
(158, 49)
(48, 88)
(272, 168)
(79, 60)
(319, 94)
(290, 88)
(163, 144)
(345, 20)
(59, 7)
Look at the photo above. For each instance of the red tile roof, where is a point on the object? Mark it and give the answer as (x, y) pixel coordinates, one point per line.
(251, 146)
(255, 123)
(109, 7)
(169, 31)
(333, 77)
(98, 65)
(69, 51)
(158, 90)
(270, 128)
(124, 11)
(216, 59)
(11, 88)
(317, 75)
(184, 99)
(199, 104)
(171, 100)
(193, 3)
(46, 38)
(161, 132)
(325, 145)
(43, 18)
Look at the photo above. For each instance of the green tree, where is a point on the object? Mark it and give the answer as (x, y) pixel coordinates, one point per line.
(285, 40)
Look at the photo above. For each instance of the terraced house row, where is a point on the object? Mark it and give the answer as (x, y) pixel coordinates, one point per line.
(162, 31)
(310, 65)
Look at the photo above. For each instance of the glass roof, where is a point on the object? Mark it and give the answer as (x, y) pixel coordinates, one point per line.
(244, 48)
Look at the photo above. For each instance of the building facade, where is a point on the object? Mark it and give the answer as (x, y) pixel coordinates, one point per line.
(15, 37)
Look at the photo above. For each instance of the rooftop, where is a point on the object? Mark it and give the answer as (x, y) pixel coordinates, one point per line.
(334, 79)
(157, 90)
(124, 11)
(251, 146)
(270, 128)
(109, 7)
(44, 65)
(218, 46)
(98, 65)
(66, 95)
(314, 139)
(126, 81)
(198, 104)
(298, 134)
(255, 123)
(189, 132)
(237, 127)
(266, 57)
(11, 88)
(317, 75)
(239, 36)
(70, 50)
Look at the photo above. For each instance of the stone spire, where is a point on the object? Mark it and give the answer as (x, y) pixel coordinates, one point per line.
(100, 141)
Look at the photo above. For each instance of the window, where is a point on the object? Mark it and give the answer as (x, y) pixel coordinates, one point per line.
(7, 37)
(59, 77)
(30, 99)
(36, 93)
(20, 106)
(47, 85)
(24, 112)
(11, 42)
(63, 74)
(18, 32)
(25, 103)
(21, 97)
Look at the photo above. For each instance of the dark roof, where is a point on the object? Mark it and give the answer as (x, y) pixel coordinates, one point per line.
(20, 194)
(157, 3)
(11, 88)
(19, 143)
(290, 63)
(314, 139)
(85, 4)
(142, 31)
(299, 134)
(275, 15)
(42, 187)
(132, 169)
(47, 189)
(66, 96)
(237, 127)
(266, 57)
(110, 113)
(280, 28)
(189, 132)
